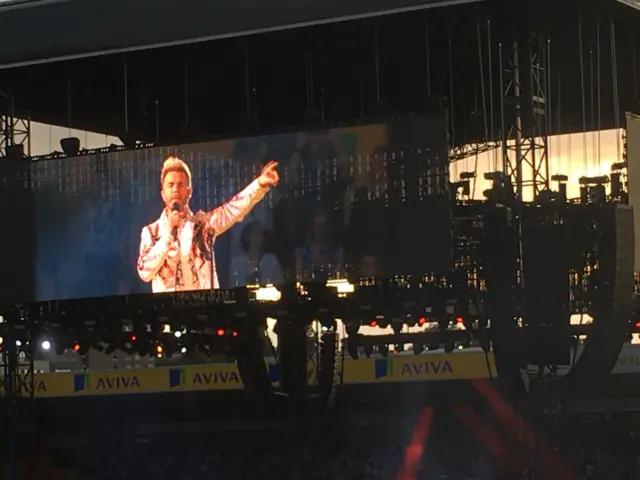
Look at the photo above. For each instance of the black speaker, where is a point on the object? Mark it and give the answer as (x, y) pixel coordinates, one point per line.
(545, 264)
(611, 287)
(18, 236)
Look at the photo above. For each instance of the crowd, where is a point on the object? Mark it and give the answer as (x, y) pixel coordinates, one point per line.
(267, 455)
(604, 450)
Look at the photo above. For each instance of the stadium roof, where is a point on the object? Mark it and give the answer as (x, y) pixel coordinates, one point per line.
(67, 29)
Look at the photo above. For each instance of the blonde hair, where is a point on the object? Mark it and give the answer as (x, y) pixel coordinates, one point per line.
(174, 164)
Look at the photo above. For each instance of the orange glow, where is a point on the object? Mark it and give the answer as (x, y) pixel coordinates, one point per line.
(422, 321)
(76, 347)
(235, 334)
(373, 323)
(159, 349)
(459, 320)
(220, 332)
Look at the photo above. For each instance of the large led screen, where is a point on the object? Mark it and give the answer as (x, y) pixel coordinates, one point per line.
(365, 201)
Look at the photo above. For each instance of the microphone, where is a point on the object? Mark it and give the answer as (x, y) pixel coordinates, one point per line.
(175, 208)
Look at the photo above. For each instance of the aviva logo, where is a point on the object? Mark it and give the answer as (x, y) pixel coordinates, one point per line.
(81, 382)
(177, 377)
(400, 369)
(383, 367)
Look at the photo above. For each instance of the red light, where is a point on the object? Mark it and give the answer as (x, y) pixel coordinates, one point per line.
(76, 347)
(637, 324)
(220, 333)
(459, 320)
(422, 321)
(373, 323)
(235, 334)
(133, 338)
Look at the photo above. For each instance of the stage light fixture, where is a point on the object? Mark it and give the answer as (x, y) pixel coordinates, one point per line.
(70, 146)
(373, 323)
(382, 321)
(220, 332)
(266, 294)
(422, 321)
(45, 345)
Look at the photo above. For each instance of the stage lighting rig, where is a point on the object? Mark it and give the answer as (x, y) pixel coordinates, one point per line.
(619, 182)
(593, 190)
(561, 185)
(463, 186)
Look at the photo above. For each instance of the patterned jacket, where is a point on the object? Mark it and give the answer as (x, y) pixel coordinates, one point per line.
(187, 262)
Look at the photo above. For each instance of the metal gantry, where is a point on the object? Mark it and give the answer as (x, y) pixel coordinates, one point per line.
(14, 131)
(525, 81)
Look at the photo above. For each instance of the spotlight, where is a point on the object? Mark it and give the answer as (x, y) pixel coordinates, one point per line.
(177, 334)
(46, 345)
(220, 332)
(422, 321)
(81, 348)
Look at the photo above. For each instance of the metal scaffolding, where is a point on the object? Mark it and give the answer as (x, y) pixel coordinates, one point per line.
(14, 131)
(525, 81)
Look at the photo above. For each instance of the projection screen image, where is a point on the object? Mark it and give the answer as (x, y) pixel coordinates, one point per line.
(365, 201)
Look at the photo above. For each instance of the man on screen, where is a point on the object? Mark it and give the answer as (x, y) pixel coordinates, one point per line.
(176, 251)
